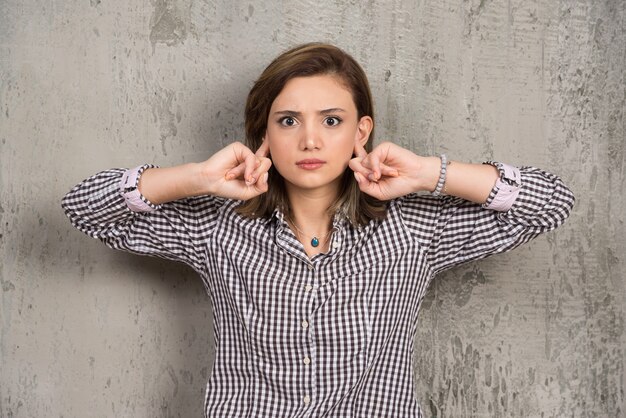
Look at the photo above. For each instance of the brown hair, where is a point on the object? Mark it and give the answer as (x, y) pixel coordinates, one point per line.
(302, 61)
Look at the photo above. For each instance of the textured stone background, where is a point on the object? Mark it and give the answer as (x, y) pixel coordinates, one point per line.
(87, 85)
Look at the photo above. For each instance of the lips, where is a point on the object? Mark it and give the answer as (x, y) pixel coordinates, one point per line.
(310, 163)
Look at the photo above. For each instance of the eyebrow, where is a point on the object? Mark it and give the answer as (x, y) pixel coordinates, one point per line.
(298, 114)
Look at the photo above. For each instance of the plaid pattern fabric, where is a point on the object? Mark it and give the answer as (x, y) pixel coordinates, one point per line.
(330, 336)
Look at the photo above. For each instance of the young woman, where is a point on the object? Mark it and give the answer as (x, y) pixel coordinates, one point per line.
(316, 248)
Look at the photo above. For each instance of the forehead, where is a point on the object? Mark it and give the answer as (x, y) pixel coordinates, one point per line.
(315, 93)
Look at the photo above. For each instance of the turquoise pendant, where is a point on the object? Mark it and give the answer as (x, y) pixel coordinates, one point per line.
(315, 242)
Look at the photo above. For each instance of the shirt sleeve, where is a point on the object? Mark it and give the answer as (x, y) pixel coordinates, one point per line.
(524, 203)
(103, 208)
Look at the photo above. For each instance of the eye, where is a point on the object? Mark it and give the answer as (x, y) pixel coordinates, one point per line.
(287, 121)
(332, 121)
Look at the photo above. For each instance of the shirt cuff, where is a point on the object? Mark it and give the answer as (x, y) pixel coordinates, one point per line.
(128, 187)
(506, 189)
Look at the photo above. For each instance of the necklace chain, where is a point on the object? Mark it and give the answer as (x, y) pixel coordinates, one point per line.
(315, 241)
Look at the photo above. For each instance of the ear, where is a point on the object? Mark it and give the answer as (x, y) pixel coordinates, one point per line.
(364, 128)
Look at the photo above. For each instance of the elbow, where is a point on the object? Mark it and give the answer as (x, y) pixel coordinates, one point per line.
(537, 214)
(565, 199)
(559, 209)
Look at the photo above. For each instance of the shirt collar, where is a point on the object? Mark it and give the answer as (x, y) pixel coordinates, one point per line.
(340, 220)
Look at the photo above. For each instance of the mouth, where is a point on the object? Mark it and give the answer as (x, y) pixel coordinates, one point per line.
(310, 163)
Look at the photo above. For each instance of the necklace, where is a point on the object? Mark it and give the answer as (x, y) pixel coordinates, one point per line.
(315, 241)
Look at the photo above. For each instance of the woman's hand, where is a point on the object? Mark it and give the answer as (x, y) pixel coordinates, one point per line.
(390, 171)
(235, 172)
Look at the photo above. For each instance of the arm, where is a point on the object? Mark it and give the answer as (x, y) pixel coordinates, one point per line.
(167, 212)
(490, 208)
(454, 231)
(234, 172)
(97, 207)
(391, 171)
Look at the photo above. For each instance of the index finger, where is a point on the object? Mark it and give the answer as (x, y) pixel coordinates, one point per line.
(359, 150)
(264, 149)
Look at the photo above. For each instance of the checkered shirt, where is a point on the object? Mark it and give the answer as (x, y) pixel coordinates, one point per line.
(330, 336)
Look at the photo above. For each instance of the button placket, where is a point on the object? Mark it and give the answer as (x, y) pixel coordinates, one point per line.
(305, 327)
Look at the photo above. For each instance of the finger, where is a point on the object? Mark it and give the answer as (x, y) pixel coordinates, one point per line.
(251, 163)
(373, 162)
(241, 153)
(359, 150)
(371, 188)
(244, 156)
(356, 165)
(388, 171)
(264, 149)
(236, 172)
(366, 186)
(262, 185)
(362, 180)
(264, 166)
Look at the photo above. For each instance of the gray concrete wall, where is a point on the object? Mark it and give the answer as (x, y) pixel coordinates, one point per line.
(87, 85)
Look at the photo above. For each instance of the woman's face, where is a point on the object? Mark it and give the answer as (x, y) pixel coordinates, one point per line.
(312, 130)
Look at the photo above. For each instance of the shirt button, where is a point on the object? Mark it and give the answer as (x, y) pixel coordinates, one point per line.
(305, 324)
(306, 399)
(336, 244)
(307, 360)
(308, 287)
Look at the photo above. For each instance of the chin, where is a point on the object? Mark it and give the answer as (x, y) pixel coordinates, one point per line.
(313, 183)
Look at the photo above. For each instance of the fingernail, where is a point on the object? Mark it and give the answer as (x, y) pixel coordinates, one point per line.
(250, 181)
(357, 177)
(265, 177)
(371, 177)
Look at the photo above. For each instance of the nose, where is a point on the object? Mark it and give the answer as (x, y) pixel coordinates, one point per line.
(311, 138)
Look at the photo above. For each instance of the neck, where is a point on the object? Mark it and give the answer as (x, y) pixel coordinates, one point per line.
(309, 218)
(309, 210)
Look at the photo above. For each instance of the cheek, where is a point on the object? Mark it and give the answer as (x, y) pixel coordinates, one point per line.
(346, 146)
(279, 156)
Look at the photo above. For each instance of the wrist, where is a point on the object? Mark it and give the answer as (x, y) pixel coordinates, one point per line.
(201, 182)
(161, 185)
(428, 173)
